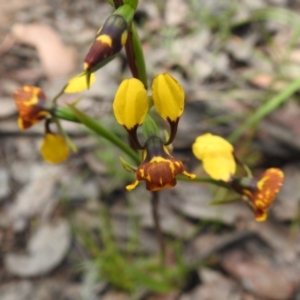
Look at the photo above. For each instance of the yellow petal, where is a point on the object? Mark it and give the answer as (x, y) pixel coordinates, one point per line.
(168, 97)
(131, 103)
(54, 148)
(217, 156)
(132, 186)
(79, 83)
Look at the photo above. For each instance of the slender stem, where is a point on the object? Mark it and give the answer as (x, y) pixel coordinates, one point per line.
(65, 113)
(204, 179)
(133, 48)
(70, 143)
(139, 56)
(135, 55)
(156, 219)
(130, 54)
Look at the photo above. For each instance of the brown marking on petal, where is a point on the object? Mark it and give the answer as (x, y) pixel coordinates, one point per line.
(154, 186)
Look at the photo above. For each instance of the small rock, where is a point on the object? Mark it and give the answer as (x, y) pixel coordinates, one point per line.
(46, 249)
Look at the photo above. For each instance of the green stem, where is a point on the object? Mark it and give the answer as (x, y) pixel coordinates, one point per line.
(72, 114)
(267, 108)
(135, 55)
(204, 179)
(139, 56)
(65, 135)
(65, 113)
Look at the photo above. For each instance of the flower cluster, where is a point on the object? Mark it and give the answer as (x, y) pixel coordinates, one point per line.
(131, 106)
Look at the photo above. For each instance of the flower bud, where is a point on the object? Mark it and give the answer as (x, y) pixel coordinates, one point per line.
(109, 41)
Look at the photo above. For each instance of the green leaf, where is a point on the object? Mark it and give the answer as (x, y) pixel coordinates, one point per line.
(127, 166)
(265, 109)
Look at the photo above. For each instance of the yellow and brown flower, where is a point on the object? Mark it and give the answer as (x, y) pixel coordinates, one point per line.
(260, 193)
(158, 168)
(31, 105)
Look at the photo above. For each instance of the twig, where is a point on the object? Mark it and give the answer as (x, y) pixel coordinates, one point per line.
(155, 215)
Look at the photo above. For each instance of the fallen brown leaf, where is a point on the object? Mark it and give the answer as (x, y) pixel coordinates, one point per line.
(57, 59)
(259, 278)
